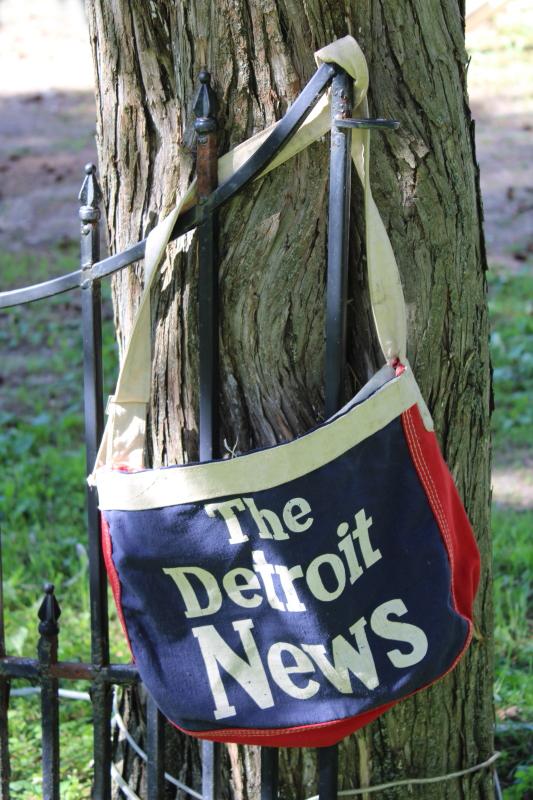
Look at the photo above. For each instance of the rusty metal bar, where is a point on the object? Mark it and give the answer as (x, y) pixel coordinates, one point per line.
(5, 769)
(29, 668)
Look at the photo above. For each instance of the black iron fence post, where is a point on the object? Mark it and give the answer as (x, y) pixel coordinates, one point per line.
(90, 197)
(269, 773)
(328, 778)
(205, 126)
(340, 167)
(49, 613)
(155, 751)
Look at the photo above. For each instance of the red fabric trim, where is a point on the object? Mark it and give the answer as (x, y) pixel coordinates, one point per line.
(322, 734)
(448, 509)
(398, 367)
(112, 574)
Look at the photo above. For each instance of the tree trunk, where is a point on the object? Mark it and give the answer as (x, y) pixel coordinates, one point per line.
(147, 58)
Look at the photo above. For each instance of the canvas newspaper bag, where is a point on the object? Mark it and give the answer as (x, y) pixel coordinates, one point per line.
(290, 595)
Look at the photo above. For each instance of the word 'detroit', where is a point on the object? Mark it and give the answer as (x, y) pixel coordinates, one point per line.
(326, 576)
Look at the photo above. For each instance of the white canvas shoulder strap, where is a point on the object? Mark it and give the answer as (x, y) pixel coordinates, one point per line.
(123, 441)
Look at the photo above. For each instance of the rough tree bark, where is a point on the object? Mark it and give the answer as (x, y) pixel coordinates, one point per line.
(147, 57)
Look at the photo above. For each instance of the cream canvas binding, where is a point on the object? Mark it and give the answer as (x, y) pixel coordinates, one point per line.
(123, 440)
(259, 469)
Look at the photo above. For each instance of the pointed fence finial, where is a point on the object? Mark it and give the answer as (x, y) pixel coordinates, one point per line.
(90, 193)
(205, 105)
(49, 613)
(90, 196)
(205, 125)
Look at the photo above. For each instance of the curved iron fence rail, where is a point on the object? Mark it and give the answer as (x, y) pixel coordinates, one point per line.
(46, 669)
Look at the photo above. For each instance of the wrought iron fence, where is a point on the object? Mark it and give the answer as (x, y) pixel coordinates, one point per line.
(46, 670)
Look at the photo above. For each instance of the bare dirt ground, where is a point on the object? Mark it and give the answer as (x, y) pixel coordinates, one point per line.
(500, 84)
(47, 121)
(47, 131)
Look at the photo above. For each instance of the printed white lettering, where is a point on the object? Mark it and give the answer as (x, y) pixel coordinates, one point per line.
(192, 604)
(235, 590)
(346, 546)
(266, 571)
(302, 666)
(287, 577)
(249, 674)
(338, 663)
(268, 523)
(226, 511)
(362, 526)
(399, 631)
(346, 659)
(294, 512)
(314, 578)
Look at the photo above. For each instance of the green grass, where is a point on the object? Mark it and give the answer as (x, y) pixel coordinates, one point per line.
(513, 689)
(511, 309)
(42, 506)
(512, 602)
(75, 745)
(511, 312)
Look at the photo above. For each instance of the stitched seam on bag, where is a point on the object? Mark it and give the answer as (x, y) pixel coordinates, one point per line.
(447, 536)
(311, 726)
(114, 580)
(267, 732)
(430, 485)
(449, 545)
(427, 479)
(432, 491)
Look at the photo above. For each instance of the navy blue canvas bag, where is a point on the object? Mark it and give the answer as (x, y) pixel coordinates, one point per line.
(290, 595)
